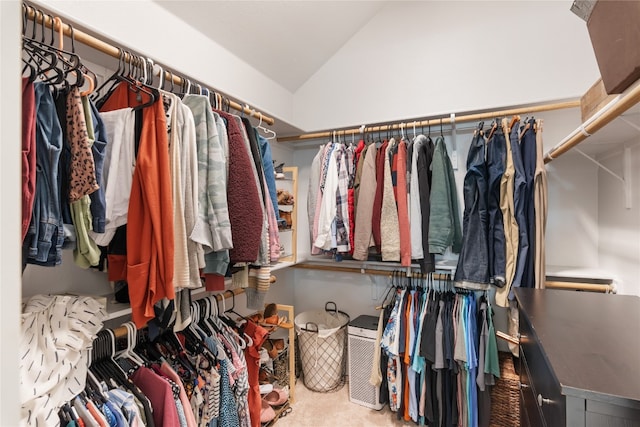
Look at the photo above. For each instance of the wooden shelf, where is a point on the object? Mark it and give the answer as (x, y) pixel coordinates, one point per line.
(289, 236)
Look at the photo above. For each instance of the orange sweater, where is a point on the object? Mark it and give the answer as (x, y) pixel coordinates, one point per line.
(150, 216)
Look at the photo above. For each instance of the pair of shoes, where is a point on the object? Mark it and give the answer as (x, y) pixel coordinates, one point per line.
(278, 170)
(266, 388)
(267, 414)
(278, 344)
(286, 412)
(277, 397)
(271, 349)
(276, 320)
(284, 197)
(264, 376)
(287, 217)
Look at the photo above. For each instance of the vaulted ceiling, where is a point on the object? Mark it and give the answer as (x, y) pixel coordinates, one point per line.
(288, 41)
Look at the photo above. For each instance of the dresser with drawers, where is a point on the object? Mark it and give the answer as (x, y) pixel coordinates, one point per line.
(579, 359)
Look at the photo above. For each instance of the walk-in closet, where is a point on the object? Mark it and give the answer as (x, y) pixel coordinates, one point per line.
(320, 213)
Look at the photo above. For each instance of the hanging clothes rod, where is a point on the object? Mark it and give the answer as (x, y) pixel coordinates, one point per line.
(599, 120)
(407, 125)
(114, 51)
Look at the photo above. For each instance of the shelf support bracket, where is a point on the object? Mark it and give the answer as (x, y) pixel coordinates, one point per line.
(625, 179)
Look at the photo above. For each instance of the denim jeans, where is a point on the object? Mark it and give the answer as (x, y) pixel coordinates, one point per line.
(496, 158)
(43, 243)
(519, 203)
(269, 174)
(99, 147)
(473, 262)
(528, 148)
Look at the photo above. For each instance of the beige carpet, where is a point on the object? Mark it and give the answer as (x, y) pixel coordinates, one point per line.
(313, 409)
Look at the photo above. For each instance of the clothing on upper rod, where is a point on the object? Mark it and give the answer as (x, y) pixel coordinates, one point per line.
(392, 199)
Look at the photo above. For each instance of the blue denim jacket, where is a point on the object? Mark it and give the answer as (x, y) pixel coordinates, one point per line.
(269, 174)
(43, 243)
(98, 149)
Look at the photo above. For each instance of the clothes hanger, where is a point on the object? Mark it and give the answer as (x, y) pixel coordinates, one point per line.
(525, 128)
(87, 74)
(114, 79)
(271, 134)
(515, 119)
(494, 126)
(35, 58)
(48, 58)
(72, 65)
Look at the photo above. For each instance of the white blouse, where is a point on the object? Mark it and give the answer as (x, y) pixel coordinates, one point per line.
(57, 332)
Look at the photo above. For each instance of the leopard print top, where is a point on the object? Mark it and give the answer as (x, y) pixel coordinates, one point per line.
(82, 173)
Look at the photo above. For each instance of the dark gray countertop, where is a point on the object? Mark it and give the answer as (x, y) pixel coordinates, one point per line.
(591, 341)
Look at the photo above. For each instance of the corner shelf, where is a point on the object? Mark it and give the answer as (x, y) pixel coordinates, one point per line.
(289, 236)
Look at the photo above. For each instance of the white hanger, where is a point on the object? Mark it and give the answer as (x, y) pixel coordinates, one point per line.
(271, 134)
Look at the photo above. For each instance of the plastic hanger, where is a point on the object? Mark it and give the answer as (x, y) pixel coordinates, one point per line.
(271, 134)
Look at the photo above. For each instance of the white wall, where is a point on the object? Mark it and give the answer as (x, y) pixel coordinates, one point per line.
(417, 59)
(619, 244)
(10, 218)
(151, 30)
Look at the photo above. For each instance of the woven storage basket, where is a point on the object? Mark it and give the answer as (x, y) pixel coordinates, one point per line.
(505, 395)
(322, 339)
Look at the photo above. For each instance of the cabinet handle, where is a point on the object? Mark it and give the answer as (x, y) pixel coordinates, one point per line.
(524, 386)
(542, 400)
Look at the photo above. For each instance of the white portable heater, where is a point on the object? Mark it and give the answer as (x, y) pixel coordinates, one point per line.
(362, 338)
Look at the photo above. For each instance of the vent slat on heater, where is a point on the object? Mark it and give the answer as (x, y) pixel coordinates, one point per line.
(361, 351)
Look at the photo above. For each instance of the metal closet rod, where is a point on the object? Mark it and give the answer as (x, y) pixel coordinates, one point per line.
(407, 125)
(113, 51)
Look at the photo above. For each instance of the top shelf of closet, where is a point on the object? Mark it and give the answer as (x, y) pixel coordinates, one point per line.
(614, 124)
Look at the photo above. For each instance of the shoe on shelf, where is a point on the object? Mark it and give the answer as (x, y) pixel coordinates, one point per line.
(267, 414)
(266, 388)
(278, 170)
(284, 197)
(281, 321)
(277, 397)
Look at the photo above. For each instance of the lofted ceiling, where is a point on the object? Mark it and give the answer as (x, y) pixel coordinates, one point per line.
(288, 41)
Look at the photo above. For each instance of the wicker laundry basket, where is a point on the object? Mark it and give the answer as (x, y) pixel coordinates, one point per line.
(505, 395)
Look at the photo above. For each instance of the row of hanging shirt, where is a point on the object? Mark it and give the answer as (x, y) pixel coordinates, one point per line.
(505, 198)
(162, 187)
(439, 355)
(396, 198)
(205, 375)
